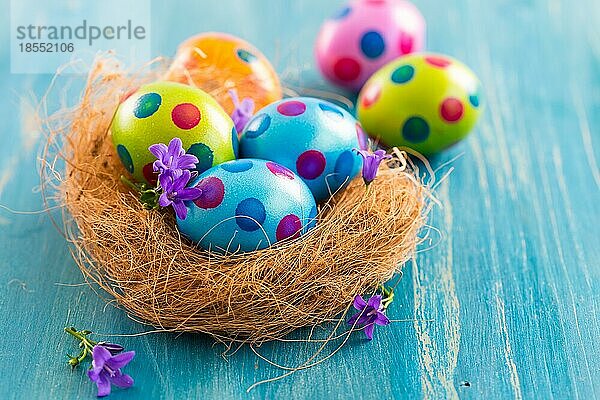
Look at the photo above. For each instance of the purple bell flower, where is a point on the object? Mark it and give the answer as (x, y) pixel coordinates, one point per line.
(106, 370)
(370, 313)
(371, 163)
(242, 112)
(175, 192)
(172, 157)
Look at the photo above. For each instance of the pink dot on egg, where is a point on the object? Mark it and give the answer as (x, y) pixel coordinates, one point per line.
(185, 115)
(451, 109)
(406, 43)
(437, 61)
(289, 227)
(280, 170)
(291, 108)
(213, 192)
(346, 69)
(310, 164)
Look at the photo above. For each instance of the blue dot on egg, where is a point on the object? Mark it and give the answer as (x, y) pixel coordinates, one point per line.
(125, 157)
(235, 142)
(250, 214)
(246, 56)
(403, 74)
(237, 166)
(258, 125)
(204, 154)
(331, 111)
(372, 44)
(146, 105)
(474, 100)
(344, 166)
(415, 130)
(343, 13)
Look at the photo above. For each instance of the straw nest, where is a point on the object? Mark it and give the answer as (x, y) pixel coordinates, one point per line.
(140, 259)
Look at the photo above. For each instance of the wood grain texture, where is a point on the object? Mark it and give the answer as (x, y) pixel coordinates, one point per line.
(507, 296)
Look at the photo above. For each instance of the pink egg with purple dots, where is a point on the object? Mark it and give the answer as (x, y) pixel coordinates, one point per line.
(312, 137)
(365, 35)
(248, 205)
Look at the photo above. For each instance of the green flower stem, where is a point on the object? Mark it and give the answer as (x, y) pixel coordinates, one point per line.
(388, 296)
(86, 344)
(129, 183)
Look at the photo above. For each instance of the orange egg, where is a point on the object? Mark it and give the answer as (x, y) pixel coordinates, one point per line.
(218, 62)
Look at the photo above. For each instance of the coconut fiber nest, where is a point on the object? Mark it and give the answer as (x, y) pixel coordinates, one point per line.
(139, 258)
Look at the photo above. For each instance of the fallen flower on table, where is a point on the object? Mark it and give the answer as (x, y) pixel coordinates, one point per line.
(107, 361)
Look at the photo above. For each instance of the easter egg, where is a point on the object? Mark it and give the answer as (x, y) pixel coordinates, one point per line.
(217, 63)
(161, 111)
(365, 35)
(312, 137)
(248, 205)
(426, 102)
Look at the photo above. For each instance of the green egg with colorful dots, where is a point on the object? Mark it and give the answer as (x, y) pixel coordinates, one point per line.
(161, 111)
(426, 102)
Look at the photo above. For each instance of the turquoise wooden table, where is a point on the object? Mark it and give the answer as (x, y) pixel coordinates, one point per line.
(505, 305)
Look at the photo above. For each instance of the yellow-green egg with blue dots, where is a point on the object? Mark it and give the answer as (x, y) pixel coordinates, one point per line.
(426, 102)
(161, 111)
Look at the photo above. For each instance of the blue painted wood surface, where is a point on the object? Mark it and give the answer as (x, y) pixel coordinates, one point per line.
(507, 300)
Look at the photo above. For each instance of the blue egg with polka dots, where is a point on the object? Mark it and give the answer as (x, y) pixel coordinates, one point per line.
(248, 205)
(312, 137)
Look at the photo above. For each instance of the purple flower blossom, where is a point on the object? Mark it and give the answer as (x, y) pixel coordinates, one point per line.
(172, 156)
(370, 313)
(173, 184)
(106, 370)
(112, 347)
(371, 163)
(242, 112)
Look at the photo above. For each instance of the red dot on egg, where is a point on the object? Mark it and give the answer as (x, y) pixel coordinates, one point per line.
(346, 69)
(185, 115)
(451, 109)
(371, 95)
(291, 108)
(437, 61)
(289, 227)
(213, 192)
(150, 175)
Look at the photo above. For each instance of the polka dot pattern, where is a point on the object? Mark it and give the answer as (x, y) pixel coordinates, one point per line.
(150, 175)
(372, 44)
(331, 111)
(290, 226)
(291, 108)
(403, 74)
(213, 193)
(451, 110)
(246, 56)
(146, 105)
(344, 166)
(237, 166)
(125, 157)
(371, 94)
(250, 214)
(310, 164)
(437, 61)
(346, 69)
(185, 116)
(204, 154)
(258, 125)
(474, 100)
(415, 130)
(235, 142)
(280, 170)
(406, 43)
